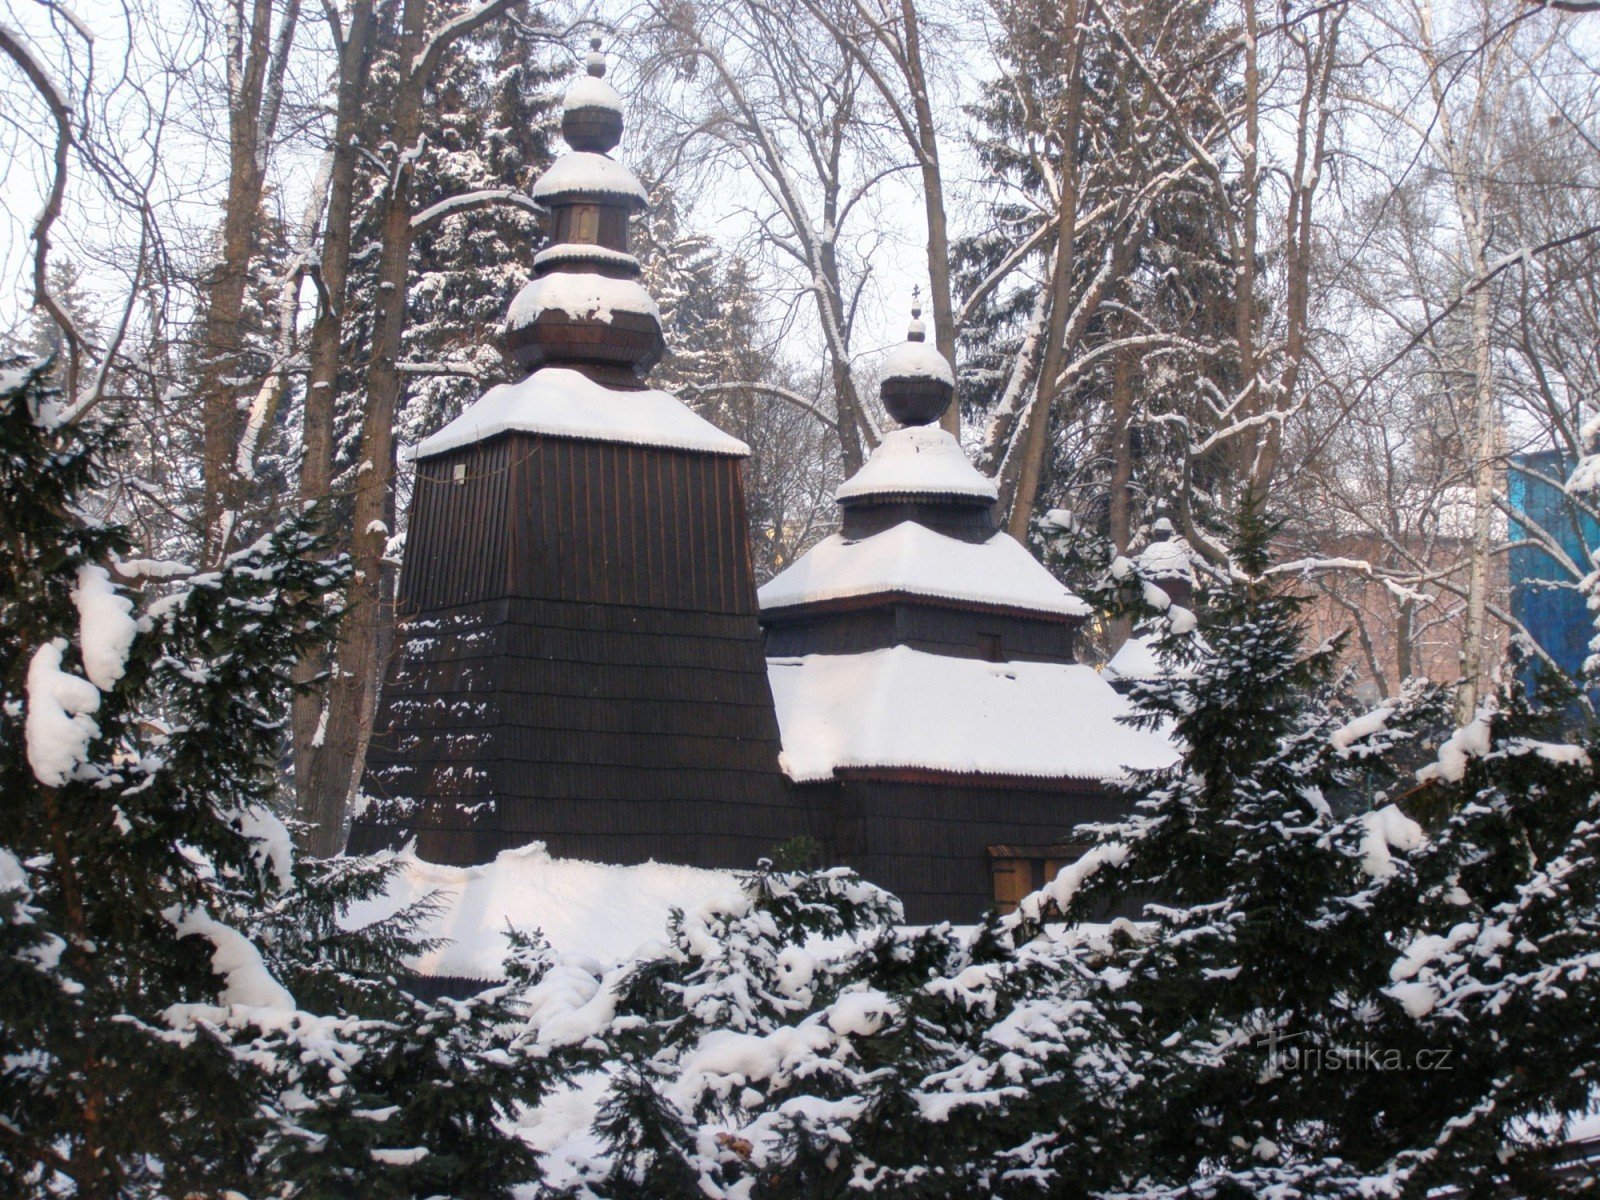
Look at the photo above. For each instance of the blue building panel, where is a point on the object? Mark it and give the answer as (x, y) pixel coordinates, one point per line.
(1543, 597)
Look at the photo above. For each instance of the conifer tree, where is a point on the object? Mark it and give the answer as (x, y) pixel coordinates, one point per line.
(492, 128)
(152, 906)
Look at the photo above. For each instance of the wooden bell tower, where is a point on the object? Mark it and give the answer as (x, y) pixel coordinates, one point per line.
(578, 659)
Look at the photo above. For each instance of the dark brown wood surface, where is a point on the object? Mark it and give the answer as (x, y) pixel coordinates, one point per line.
(937, 626)
(578, 662)
(927, 838)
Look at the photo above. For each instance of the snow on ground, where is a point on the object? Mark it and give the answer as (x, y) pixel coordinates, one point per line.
(594, 910)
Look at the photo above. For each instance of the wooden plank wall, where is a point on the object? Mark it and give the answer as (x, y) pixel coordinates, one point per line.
(927, 842)
(578, 662)
(923, 624)
(598, 522)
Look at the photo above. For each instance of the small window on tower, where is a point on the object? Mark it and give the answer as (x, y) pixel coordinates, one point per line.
(586, 223)
(458, 473)
(989, 647)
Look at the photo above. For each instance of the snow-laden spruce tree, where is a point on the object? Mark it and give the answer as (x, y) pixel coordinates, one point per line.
(1321, 1003)
(154, 920)
(1495, 969)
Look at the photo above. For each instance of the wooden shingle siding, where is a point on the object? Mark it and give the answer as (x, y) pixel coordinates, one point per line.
(559, 519)
(937, 626)
(965, 518)
(927, 841)
(577, 662)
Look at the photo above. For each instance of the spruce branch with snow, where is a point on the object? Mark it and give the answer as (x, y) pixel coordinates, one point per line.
(154, 917)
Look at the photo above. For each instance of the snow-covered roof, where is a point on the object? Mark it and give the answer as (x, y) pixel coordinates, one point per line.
(592, 909)
(588, 92)
(585, 173)
(1135, 660)
(583, 252)
(917, 360)
(561, 402)
(904, 708)
(915, 560)
(581, 295)
(918, 460)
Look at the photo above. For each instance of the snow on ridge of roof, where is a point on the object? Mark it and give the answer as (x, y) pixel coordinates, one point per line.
(908, 709)
(596, 910)
(585, 173)
(912, 559)
(561, 402)
(588, 92)
(918, 460)
(917, 360)
(581, 295)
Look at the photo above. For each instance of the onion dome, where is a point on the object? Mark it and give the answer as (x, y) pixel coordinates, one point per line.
(1168, 563)
(918, 383)
(584, 307)
(919, 470)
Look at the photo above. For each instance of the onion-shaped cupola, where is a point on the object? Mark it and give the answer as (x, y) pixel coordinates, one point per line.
(584, 307)
(919, 471)
(917, 380)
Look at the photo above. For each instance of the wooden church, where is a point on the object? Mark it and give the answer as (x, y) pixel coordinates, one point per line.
(581, 657)
(936, 723)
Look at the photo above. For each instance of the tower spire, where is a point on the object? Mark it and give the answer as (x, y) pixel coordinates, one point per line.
(584, 307)
(917, 380)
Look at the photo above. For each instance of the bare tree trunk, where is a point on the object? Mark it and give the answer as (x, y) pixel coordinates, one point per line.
(944, 321)
(851, 420)
(1319, 57)
(336, 768)
(1029, 470)
(1244, 277)
(252, 61)
(1405, 632)
(1120, 508)
(1483, 416)
(318, 802)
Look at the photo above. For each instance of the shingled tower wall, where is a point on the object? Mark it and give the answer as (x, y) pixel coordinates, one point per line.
(578, 659)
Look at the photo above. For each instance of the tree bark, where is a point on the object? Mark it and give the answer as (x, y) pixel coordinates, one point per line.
(352, 688)
(1472, 638)
(1120, 507)
(1034, 437)
(222, 332)
(319, 802)
(944, 321)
